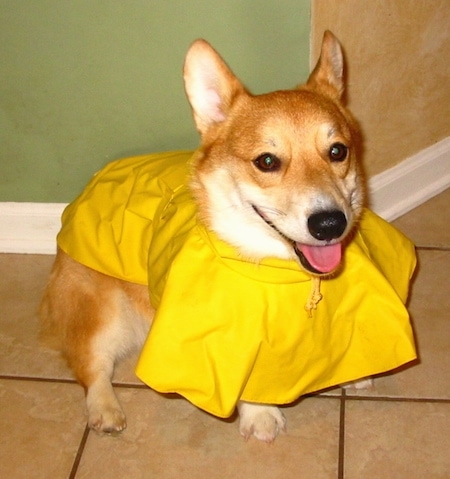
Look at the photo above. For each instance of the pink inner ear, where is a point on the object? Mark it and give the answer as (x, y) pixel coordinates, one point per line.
(210, 106)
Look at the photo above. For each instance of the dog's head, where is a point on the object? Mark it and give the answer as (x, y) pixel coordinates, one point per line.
(277, 174)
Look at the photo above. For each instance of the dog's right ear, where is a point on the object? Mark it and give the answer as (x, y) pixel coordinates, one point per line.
(210, 85)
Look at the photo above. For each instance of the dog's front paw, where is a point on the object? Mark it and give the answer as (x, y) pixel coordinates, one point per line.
(262, 422)
(108, 420)
(104, 411)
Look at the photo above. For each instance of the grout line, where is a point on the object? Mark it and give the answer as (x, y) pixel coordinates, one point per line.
(341, 452)
(379, 398)
(10, 377)
(130, 385)
(398, 399)
(432, 248)
(80, 451)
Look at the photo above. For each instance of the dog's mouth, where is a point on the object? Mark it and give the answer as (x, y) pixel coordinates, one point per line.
(320, 260)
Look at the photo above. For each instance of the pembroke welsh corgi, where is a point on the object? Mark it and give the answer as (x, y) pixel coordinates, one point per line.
(277, 175)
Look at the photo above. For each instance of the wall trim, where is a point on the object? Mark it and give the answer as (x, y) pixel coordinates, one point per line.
(29, 227)
(415, 180)
(32, 227)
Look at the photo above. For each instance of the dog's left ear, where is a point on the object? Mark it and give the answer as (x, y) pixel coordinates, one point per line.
(328, 75)
(210, 85)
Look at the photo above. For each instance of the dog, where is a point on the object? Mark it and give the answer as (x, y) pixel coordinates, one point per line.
(277, 175)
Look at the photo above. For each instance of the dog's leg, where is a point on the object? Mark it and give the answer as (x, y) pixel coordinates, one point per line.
(98, 321)
(88, 334)
(261, 421)
(105, 414)
(106, 349)
(121, 329)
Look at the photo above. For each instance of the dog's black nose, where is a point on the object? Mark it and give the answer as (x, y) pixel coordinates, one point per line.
(327, 225)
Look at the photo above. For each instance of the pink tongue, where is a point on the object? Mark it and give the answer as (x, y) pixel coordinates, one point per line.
(322, 258)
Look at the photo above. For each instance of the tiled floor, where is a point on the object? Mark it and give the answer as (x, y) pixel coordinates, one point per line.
(398, 430)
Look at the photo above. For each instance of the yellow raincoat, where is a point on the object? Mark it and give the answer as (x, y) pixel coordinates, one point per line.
(227, 329)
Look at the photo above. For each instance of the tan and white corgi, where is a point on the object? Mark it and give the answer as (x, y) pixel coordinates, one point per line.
(276, 176)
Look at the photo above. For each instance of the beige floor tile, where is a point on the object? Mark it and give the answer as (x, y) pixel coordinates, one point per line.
(429, 307)
(169, 438)
(427, 225)
(42, 425)
(397, 440)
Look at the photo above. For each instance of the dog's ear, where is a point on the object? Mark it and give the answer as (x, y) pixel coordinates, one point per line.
(210, 85)
(328, 75)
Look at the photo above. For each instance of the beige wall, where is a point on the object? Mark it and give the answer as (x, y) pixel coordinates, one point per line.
(398, 54)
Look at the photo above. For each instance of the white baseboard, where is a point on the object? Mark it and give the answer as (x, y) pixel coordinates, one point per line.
(32, 227)
(29, 227)
(415, 180)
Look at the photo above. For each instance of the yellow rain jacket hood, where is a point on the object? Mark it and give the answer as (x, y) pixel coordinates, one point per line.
(226, 329)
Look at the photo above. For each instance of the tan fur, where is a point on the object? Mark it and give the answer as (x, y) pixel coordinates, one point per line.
(99, 319)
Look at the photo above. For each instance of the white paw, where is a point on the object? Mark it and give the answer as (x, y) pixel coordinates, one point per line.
(366, 383)
(108, 420)
(260, 421)
(104, 411)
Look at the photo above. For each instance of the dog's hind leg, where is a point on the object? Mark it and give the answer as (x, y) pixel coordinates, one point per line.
(121, 329)
(98, 321)
(104, 411)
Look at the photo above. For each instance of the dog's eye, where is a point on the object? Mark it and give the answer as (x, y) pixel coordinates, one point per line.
(267, 162)
(338, 152)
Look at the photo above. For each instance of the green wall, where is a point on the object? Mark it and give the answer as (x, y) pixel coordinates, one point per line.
(83, 82)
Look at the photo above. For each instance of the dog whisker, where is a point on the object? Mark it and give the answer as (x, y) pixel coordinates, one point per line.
(270, 209)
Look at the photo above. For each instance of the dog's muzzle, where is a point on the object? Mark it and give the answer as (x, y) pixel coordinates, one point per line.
(325, 226)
